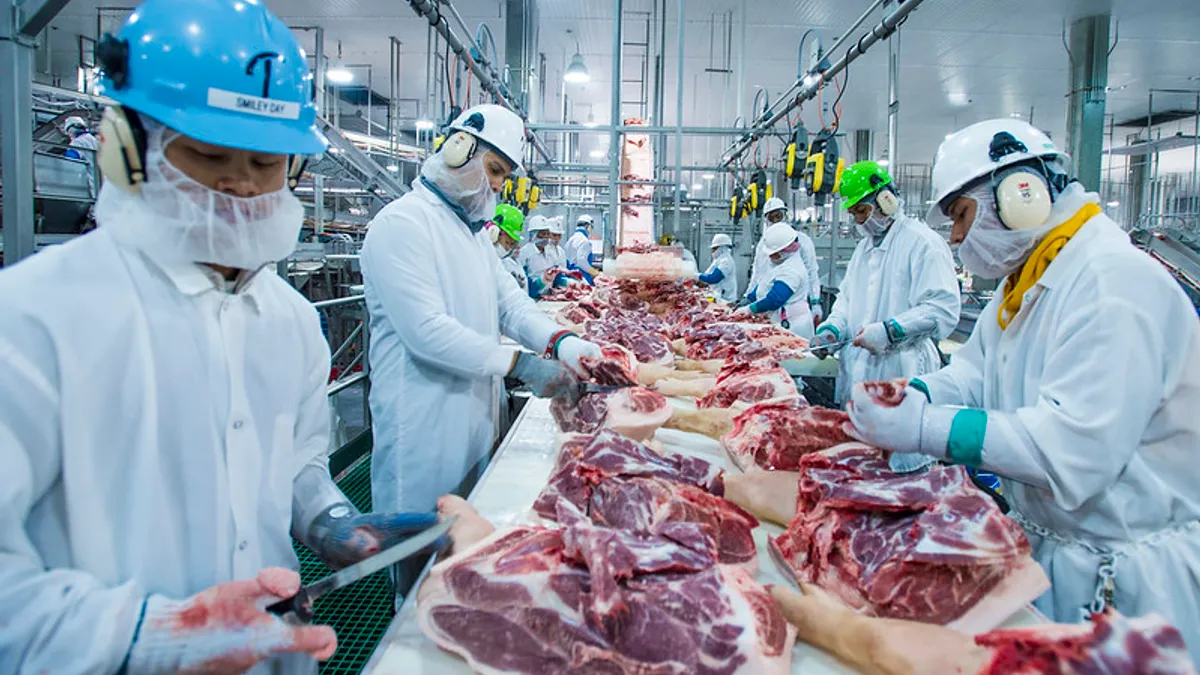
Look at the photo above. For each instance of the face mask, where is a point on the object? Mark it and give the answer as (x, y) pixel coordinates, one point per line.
(175, 219)
(876, 225)
(502, 251)
(466, 187)
(541, 242)
(991, 250)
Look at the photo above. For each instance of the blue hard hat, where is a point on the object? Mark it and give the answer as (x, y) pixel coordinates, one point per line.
(225, 72)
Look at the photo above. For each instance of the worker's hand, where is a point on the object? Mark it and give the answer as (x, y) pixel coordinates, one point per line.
(891, 427)
(874, 338)
(826, 335)
(342, 536)
(572, 350)
(546, 379)
(224, 629)
(818, 312)
(743, 301)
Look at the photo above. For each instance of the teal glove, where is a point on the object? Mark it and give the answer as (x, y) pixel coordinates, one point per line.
(342, 536)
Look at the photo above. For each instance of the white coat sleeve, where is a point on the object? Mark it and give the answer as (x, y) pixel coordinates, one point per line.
(810, 261)
(520, 317)
(313, 489)
(60, 620)
(1103, 380)
(961, 382)
(405, 277)
(933, 299)
(839, 315)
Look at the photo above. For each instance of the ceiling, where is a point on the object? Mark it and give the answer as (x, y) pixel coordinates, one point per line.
(961, 60)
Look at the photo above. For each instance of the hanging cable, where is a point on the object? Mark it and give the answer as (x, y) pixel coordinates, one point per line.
(837, 104)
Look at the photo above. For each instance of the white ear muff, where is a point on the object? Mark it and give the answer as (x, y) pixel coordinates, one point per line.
(888, 203)
(458, 149)
(1023, 200)
(122, 149)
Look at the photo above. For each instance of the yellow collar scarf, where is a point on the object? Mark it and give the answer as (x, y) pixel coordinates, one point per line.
(1016, 285)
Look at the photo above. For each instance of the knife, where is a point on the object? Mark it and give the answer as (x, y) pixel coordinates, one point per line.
(301, 604)
(831, 348)
(589, 388)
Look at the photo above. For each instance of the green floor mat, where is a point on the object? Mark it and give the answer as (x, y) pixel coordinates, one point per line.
(361, 612)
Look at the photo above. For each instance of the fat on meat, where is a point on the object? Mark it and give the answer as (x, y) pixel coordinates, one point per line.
(616, 366)
(613, 481)
(776, 435)
(631, 411)
(537, 601)
(749, 383)
(923, 547)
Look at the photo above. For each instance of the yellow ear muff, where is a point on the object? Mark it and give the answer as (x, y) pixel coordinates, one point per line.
(458, 149)
(122, 155)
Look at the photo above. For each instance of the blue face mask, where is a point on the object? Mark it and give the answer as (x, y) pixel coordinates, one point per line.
(541, 242)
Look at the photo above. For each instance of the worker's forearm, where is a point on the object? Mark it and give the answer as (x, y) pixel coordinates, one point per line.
(313, 492)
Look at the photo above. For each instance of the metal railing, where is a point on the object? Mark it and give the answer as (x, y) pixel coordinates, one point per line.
(347, 330)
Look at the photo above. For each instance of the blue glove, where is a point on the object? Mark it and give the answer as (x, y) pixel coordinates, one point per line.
(546, 379)
(342, 536)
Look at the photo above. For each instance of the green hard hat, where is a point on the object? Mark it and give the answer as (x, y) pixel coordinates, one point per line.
(510, 220)
(862, 180)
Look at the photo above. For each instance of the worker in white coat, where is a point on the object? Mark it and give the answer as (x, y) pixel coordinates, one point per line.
(542, 253)
(164, 418)
(782, 291)
(579, 249)
(899, 294)
(83, 145)
(1081, 383)
(439, 300)
(775, 211)
(506, 232)
(722, 273)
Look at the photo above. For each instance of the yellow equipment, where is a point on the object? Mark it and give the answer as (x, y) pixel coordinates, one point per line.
(535, 196)
(823, 168)
(523, 185)
(437, 143)
(506, 195)
(797, 156)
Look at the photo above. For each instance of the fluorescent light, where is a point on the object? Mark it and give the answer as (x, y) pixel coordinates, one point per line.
(1113, 205)
(591, 125)
(697, 187)
(597, 154)
(709, 176)
(393, 167)
(424, 125)
(339, 74)
(1018, 115)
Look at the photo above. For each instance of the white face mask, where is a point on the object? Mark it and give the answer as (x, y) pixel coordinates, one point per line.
(175, 219)
(991, 250)
(467, 187)
(876, 225)
(502, 251)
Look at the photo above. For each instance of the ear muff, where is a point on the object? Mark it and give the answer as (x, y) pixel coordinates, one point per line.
(1023, 199)
(888, 202)
(122, 156)
(458, 149)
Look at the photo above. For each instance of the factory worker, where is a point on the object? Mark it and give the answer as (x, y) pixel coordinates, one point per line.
(508, 223)
(439, 300)
(775, 211)
(164, 414)
(542, 253)
(782, 291)
(83, 146)
(722, 273)
(670, 240)
(579, 249)
(1081, 382)
(899, 294)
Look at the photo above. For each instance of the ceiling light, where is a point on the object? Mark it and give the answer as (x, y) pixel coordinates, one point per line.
(598, 154)
(697, 187)
(1113, 205)
(882, 162)
(1015, 115)
(393, 167)
(339, 73)
(424, 125)
(709, 176)
(577, 72)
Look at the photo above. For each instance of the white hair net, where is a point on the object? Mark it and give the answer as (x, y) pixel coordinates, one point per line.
(466, 189)
(991, 250)
(176, 219)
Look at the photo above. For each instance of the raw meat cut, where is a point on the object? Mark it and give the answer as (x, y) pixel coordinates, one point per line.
(748, 383)
(886, 393)
(924, 547)
(533, 600)
(632, 411)
(1112, 643)
(617, 366)
(579, 313)
(776, 435)
(616, 482)
(641, 333)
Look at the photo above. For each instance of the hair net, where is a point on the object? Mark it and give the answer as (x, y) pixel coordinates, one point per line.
(877, 224)
(791, 250)
(991, 250)
(176, 219)
(466, 187)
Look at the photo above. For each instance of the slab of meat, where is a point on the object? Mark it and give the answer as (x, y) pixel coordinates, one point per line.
(633, 411)
(887, 393)
(641, 333)
(617, 366)
(923, 547)
(579, 313)
(615, 482)
(536, 601)
(1110, 644)
(776, 435)
(748, 383)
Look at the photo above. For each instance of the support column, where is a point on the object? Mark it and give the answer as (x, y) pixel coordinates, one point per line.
(16, 134)
(614, 137)
(520, 53)
(862, 145)
(893, 98)
(1085, 113)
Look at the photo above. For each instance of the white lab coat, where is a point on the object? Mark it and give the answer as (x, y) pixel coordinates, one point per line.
(726, 289)
(151, 427)
(88, 145)
(792, 272)
(1094, 390)
(760, 267)
(808, 251)
(438, 299)
(909, 277)
(515, 270)
(578, 250)
(535, 262)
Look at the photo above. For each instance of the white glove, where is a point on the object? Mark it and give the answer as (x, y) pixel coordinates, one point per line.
(224, 629)
(913, 426)
(874, 338)
(572, 349)
(818, 311)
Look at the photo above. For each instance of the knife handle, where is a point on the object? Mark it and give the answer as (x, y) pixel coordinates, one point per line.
(299, 604)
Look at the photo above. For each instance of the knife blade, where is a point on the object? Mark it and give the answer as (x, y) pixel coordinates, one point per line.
(301, 604)
(589, 388)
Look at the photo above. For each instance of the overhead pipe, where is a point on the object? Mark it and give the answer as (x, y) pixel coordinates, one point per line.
(489, 78)
(770, 117)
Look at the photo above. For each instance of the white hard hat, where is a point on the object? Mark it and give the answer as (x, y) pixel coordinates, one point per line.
(774, 204)
(73, 123)
(982, 148)
(497, 126)
(585, 219)
(778, 237)
(555, 225)
(537, 223)
(721, 239)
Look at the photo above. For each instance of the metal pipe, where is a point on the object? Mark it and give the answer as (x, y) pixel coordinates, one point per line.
(679, 118)
(880, 32)
(16, 138)
(337, 302)
(632, 129)
(614, 138)
(894, 101)
(1196, 155)
(342, 385)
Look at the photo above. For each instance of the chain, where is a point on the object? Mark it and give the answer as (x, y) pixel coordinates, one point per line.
(1106, 586)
